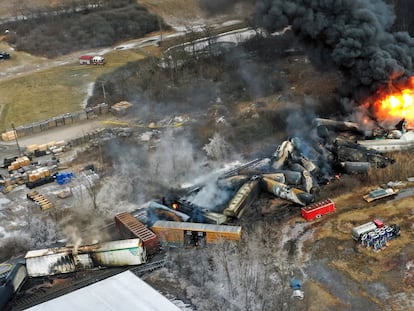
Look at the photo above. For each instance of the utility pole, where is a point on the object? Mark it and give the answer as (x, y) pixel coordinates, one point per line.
(15, 137)
(160, 27)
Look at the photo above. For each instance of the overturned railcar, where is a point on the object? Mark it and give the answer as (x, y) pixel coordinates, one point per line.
(129, 227)
(243, 198)
(285, 192)
(179, 234)
(59, 260)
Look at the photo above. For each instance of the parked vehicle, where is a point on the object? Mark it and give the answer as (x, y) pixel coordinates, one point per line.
(380, 193)
(91, 60)
(359, 231)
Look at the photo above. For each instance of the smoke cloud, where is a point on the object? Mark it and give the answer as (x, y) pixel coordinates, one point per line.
(354, 34)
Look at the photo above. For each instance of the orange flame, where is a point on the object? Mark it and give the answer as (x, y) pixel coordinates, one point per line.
(397, 103)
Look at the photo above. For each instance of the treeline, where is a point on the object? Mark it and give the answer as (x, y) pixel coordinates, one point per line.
(60, 31)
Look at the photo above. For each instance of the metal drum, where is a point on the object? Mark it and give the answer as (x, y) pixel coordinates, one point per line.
(388, 233)
(382, 238)
(364, 239)
(370, 241)
(376, 242)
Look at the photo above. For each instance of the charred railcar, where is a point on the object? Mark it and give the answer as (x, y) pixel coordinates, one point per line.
(243, 198)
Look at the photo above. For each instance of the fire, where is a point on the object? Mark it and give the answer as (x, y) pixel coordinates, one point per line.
(175, 205)
(397, 103)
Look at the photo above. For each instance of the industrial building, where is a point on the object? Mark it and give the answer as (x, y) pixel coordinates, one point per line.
(124, 291)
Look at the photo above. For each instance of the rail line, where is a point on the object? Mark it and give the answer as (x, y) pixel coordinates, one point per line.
(43, 294)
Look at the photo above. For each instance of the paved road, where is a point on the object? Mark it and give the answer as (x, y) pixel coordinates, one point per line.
(66, 133)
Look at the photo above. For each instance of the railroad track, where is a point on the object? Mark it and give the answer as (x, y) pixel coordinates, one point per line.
(148, 267)
(43, 294)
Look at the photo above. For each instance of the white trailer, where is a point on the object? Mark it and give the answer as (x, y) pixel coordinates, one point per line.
(358, 232)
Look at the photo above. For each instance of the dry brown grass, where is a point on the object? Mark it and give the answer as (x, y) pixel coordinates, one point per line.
(317, 298)
(53, 91)
(400, 170)
(174, 11)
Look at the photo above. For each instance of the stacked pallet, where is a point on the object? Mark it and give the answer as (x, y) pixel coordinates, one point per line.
(41, 172)
(7, 136)
(19, 163)
(39, 199)
(121, 108)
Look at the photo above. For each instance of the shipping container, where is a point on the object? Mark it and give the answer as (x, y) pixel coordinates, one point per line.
(317, 209)
(130, 227)
(179, 234)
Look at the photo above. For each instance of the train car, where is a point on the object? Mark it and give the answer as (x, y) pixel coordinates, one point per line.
(11, 282)
(129, 227)
(286, 192)
(69, 259)
(317, 209)
(180, 234)
(243, 198)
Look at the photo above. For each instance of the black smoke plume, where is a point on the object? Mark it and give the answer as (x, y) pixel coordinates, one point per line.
(354, 35)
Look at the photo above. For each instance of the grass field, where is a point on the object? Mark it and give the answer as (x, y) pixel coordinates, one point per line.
(38, 95)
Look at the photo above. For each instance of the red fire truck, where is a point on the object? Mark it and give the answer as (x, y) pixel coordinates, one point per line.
(316, 210)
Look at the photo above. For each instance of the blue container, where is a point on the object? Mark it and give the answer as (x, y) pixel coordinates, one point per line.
(64, 177)
(383, 238)
(376, 242)
(388, 233)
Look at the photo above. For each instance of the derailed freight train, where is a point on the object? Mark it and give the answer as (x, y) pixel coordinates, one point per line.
(129, 227)
(179, 234)
(68, 259)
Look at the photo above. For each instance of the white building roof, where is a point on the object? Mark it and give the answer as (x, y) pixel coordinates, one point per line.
(124, 291)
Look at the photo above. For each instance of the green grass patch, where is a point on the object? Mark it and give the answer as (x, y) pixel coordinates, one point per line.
(54, 91)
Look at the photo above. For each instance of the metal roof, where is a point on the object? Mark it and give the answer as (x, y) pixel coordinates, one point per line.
(124, 291)
(195, 226)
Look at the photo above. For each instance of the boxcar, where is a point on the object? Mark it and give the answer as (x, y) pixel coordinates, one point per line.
(179, 234)
(129, 227)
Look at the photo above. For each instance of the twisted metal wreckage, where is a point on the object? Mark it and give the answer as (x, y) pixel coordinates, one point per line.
(294, 172)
